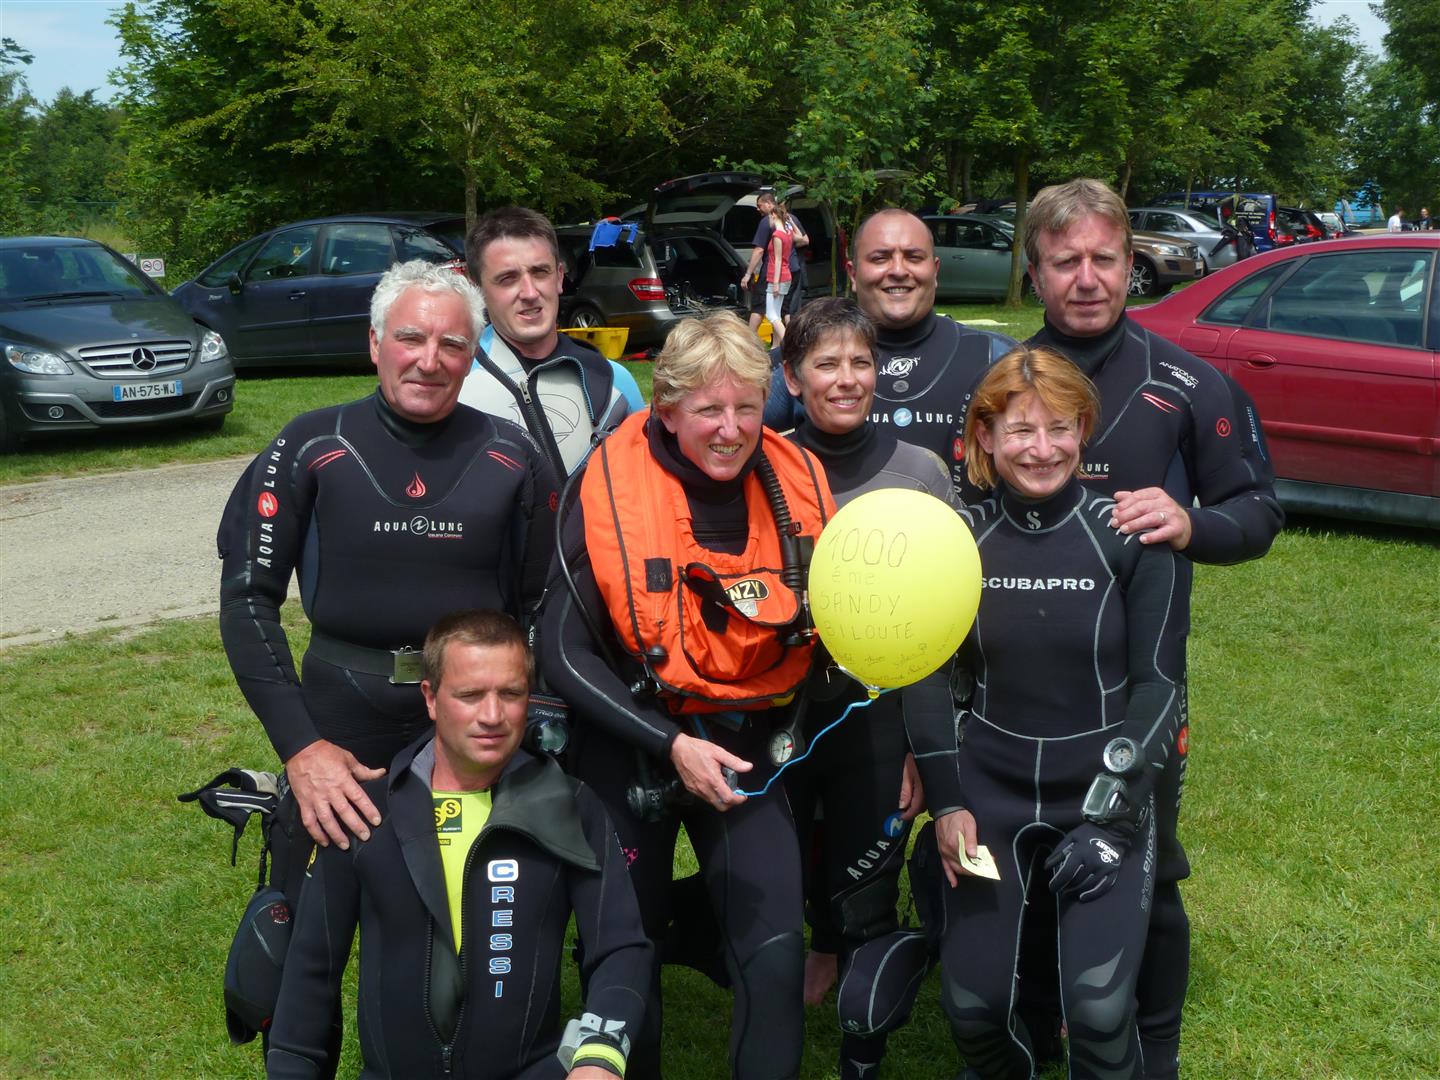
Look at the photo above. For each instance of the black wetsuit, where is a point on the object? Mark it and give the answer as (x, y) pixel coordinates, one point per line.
(923, 377)
(748, 855)
(389, 524)
(1080, 638)
(854, 771)
(1170, 420)
(493, 1009)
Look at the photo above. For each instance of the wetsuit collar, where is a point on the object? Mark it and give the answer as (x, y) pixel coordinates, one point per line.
(1042, 514)
(906, 337)
(827, 445)
(523, 367)
(409, 432)
(1088, 353)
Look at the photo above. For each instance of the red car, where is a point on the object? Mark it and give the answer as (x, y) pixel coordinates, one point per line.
(1337, 343)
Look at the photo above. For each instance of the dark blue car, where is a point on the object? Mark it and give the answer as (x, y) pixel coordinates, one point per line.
(300, 294)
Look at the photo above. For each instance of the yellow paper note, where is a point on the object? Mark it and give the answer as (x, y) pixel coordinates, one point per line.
(983, 865)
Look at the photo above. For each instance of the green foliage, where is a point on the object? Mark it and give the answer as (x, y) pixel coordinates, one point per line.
(863, 99)
(1397, 139)
(16, 127)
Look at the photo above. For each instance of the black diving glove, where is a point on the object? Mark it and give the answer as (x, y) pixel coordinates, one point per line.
(1086, 862)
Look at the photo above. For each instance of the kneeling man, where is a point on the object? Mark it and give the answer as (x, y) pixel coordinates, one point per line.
(463, 894)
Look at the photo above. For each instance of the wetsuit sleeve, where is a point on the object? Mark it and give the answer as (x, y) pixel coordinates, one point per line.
(532, 535)
(629, 391)
(1231, 473)
(780, 406)
(577, 667)
(262, 532)
(929, 711)
(616, 954)
(1155, 621)
(325, 920)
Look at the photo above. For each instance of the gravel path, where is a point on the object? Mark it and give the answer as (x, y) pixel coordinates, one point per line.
(118, 549)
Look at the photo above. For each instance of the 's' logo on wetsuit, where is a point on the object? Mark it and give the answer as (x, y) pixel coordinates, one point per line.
(267, 504)
(416, 490)
(447, 815)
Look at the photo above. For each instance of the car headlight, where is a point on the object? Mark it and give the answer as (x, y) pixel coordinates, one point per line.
(1169, 249)
(36, 361)
(212, 347)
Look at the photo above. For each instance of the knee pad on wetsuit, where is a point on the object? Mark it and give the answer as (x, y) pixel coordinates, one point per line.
(880, 981)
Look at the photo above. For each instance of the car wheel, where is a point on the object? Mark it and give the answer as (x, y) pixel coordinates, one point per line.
(1142, 278)
(586, 316)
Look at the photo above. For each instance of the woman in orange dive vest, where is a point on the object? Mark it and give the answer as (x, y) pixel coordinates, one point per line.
(682, 637)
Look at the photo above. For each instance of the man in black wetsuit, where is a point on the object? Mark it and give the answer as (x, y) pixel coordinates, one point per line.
(561, 390)
(391, 510)
(463, 894)
(928, 362)
(1172, 431)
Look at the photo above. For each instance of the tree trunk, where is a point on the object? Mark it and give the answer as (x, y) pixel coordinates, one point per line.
(967, 184)
(1017, 256)
(1126, 170)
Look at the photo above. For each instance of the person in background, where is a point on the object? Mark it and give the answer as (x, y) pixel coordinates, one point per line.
(753, 278)
(777, 280)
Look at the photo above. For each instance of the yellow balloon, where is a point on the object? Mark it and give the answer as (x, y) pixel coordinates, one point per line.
(894, 586)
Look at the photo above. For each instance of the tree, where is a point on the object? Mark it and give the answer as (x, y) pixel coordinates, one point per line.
(16, 126)
(860, 124)
(77, 150)
(1396, 135)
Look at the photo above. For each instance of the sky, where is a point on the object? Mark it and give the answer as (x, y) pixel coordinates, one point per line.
(74, 47)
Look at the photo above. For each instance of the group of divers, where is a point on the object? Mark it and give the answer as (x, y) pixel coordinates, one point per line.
(551, 625)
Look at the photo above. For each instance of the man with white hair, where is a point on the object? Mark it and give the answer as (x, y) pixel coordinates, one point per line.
(392, 510)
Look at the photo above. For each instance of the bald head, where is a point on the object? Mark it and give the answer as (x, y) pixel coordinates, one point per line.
(895, 269)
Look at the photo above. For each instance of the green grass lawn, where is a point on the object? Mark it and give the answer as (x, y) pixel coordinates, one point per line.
(1309, 818)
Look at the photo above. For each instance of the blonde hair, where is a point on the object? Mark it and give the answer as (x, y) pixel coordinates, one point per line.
(1057, 382)
(1059, 206)
(699, 351)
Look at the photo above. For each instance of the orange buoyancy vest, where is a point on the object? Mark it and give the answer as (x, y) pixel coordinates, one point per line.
(706, 625)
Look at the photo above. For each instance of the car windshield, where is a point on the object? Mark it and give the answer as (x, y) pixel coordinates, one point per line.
(45, 272)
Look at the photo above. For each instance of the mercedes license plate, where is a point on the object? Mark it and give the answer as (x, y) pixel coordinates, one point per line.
(144, 391)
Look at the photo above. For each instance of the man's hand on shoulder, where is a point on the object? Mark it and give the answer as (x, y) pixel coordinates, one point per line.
(326, 782)
(1153, 514)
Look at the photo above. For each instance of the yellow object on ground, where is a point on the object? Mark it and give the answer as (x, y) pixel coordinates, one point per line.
(610, 340)
(766, 332)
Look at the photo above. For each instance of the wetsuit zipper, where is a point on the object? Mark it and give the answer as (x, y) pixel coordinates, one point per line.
(539, 426)
(447, 1050)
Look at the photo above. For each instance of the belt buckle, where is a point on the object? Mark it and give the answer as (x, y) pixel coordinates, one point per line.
(408, 668)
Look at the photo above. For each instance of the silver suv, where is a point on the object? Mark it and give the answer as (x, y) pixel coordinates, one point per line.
(645, 283)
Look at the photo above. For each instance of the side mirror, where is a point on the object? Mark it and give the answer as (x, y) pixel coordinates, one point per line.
(235, 285)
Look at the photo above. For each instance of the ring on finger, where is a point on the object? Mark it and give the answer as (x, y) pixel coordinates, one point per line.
(1162, 517)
